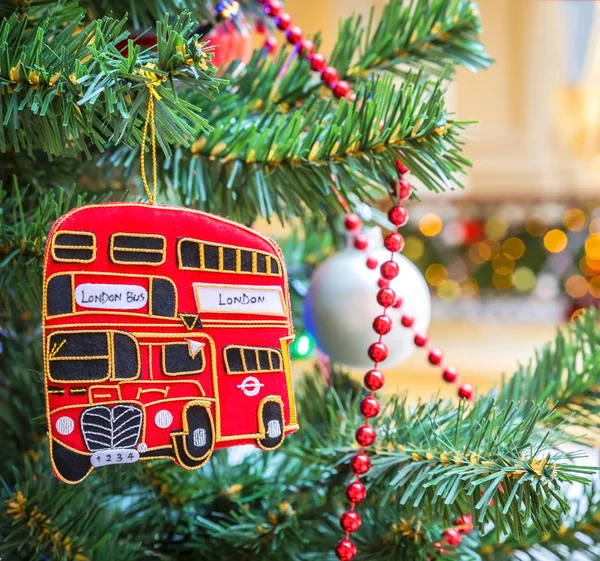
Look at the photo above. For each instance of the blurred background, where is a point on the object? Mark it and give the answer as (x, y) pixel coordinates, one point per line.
(518, 251)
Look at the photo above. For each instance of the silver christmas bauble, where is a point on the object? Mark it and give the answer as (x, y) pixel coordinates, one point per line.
(341, 305)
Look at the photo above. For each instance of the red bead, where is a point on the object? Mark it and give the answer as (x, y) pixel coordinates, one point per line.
(464, 524)
(356, 492)
(450, 374)
(374, 380)
(407, 321)
(352, 222)
(317, 62)
(439, 548)
(342, 89)
(330, 76)
(405, 189)
(394, 242)
(273, 8)
(452, 536)
(398, 303)
(270, 44)
(386, 297)
(283, 21)
(435, 356)
(372, 263)
(398, 216)
(294, 35)
(360, 463)
(401, 167)
(370, 407)
(378, 352)
(361, 242)
(382, 283)
(421, 340)
(345, 550)
(382, 325)
(261, 27)
(466, 391)
(307, 47)
(389, 270)
(365, 435)
(350, 521)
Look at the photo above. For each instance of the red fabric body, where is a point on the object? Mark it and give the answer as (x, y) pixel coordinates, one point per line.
(236, 415)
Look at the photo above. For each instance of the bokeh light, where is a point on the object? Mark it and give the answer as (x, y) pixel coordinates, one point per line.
(449, 290)
(502, 282)
(555, 241)
(576, 286)
(496, 227)
(536, 226)
(592, 246)
(595, 226)
(575, 219)
(514, 247)
(430, 225)
(594, 286)
(436, 274)
(524, 279)
(503, 264)
(413, 248)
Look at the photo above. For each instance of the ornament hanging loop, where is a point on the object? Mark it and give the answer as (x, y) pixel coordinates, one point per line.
(150, 122)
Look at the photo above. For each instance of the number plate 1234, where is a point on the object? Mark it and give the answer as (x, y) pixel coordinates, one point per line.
(112, 457)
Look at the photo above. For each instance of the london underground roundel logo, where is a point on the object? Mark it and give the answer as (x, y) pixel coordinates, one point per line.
(250, 386)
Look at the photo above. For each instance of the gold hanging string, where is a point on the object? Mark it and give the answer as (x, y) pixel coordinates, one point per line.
(150, 120)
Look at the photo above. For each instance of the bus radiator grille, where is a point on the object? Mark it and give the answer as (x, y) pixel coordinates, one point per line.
(106, 428)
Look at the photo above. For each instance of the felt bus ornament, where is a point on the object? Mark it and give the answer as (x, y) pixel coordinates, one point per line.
(166, 335)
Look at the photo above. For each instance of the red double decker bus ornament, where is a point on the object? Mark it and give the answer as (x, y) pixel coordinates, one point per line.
(166, 335)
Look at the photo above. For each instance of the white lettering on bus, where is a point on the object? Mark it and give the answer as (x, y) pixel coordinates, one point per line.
(239, 298)
(111, 296)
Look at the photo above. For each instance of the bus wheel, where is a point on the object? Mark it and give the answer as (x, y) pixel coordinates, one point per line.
(194, 445)
(71, 466)
(271, 424)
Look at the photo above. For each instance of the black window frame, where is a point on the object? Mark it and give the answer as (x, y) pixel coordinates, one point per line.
(243, 361)
(135, 250)
(56, 245)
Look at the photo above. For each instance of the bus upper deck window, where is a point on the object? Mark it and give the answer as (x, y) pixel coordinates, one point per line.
(137, 249)
(74, 247)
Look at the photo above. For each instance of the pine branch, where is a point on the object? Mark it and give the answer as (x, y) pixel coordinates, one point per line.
(65, 91)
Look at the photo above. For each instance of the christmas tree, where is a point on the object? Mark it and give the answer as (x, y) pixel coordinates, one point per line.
(299, 137)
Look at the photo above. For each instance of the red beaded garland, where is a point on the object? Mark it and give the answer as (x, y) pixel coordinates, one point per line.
(294, 35)
(330, 76)
(352, 222)
(360, 463)
(407, 321)
(342, 89)
(398, 216)
(404, 189)
(370, 407)
(435, 356)
(450, 374)
(464, 524)
(466, 391)
(394, 242)
(374, 380)
(273, 8)
(372, 263)
(283, 21)
(350, 521)
(365, 435)
(356, 492)
(317, 62)
(420, 340)
(345, 550)
(383, 283)
(307, 47)
(402, 169)
(439, 548)
(361, 242)
(452, 536)
(386, 297)
(378, 352)
(270, 44)
(382, 325)
(398, 303)
(389, 270)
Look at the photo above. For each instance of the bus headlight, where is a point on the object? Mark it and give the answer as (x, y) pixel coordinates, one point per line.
(163, 419)
(65, 425)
